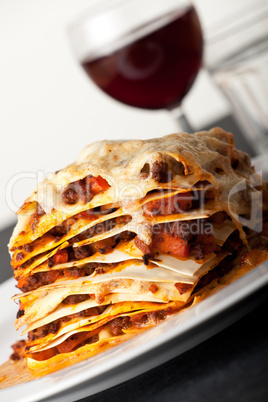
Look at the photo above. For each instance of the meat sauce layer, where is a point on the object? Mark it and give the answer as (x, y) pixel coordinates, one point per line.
(117, 326)
(55, 326)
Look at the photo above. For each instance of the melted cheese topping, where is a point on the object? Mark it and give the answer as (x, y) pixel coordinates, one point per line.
(204, 156)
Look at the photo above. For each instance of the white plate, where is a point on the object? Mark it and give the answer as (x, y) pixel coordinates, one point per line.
(157, 345)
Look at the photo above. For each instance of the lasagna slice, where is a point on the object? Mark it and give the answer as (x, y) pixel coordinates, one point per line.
(128, 235)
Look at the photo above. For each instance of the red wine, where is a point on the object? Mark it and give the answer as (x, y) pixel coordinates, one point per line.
(157, 70)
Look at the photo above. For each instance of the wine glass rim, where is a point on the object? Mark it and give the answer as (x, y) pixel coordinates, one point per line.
(103, 7)
(91, 38)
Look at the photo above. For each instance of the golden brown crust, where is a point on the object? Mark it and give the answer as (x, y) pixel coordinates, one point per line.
(121, 163)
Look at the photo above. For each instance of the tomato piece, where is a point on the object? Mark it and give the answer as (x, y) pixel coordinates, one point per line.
(74, 340)
(183, 287)
(170, 205)
(60, 257)
(168, 244)
(98, 184)
(153, 288)
(45, 354)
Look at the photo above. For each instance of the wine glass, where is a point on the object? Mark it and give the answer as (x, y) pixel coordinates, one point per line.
(144, 54)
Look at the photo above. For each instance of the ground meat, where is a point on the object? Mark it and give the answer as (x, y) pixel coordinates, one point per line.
(54, 327)
(74, 299)
(60, 230)
(64, 228)
(44, 332)
(124, 236)
(100, 271)
(70, 196)
(38, 279)
(74, 272)
(45, 278)
(38, 333)
(15, 357)
(207, 243)
(50, 262)
(19, 350)
(139, 320)
(89, 312)
(82, 252)
(88, 269)
(28, 248)
(35, 218)
(27, 263)
(118, 324)
(19, 256)
(87, 234)
(20, 313)
(160, 172)
(150, 318)
(39, 211)
(78, 190)
(105, 249)
(197, 251)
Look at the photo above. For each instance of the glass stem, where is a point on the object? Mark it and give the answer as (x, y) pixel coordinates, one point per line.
(182, 121)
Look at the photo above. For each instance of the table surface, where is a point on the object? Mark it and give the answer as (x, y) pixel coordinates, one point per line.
(230, 366)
